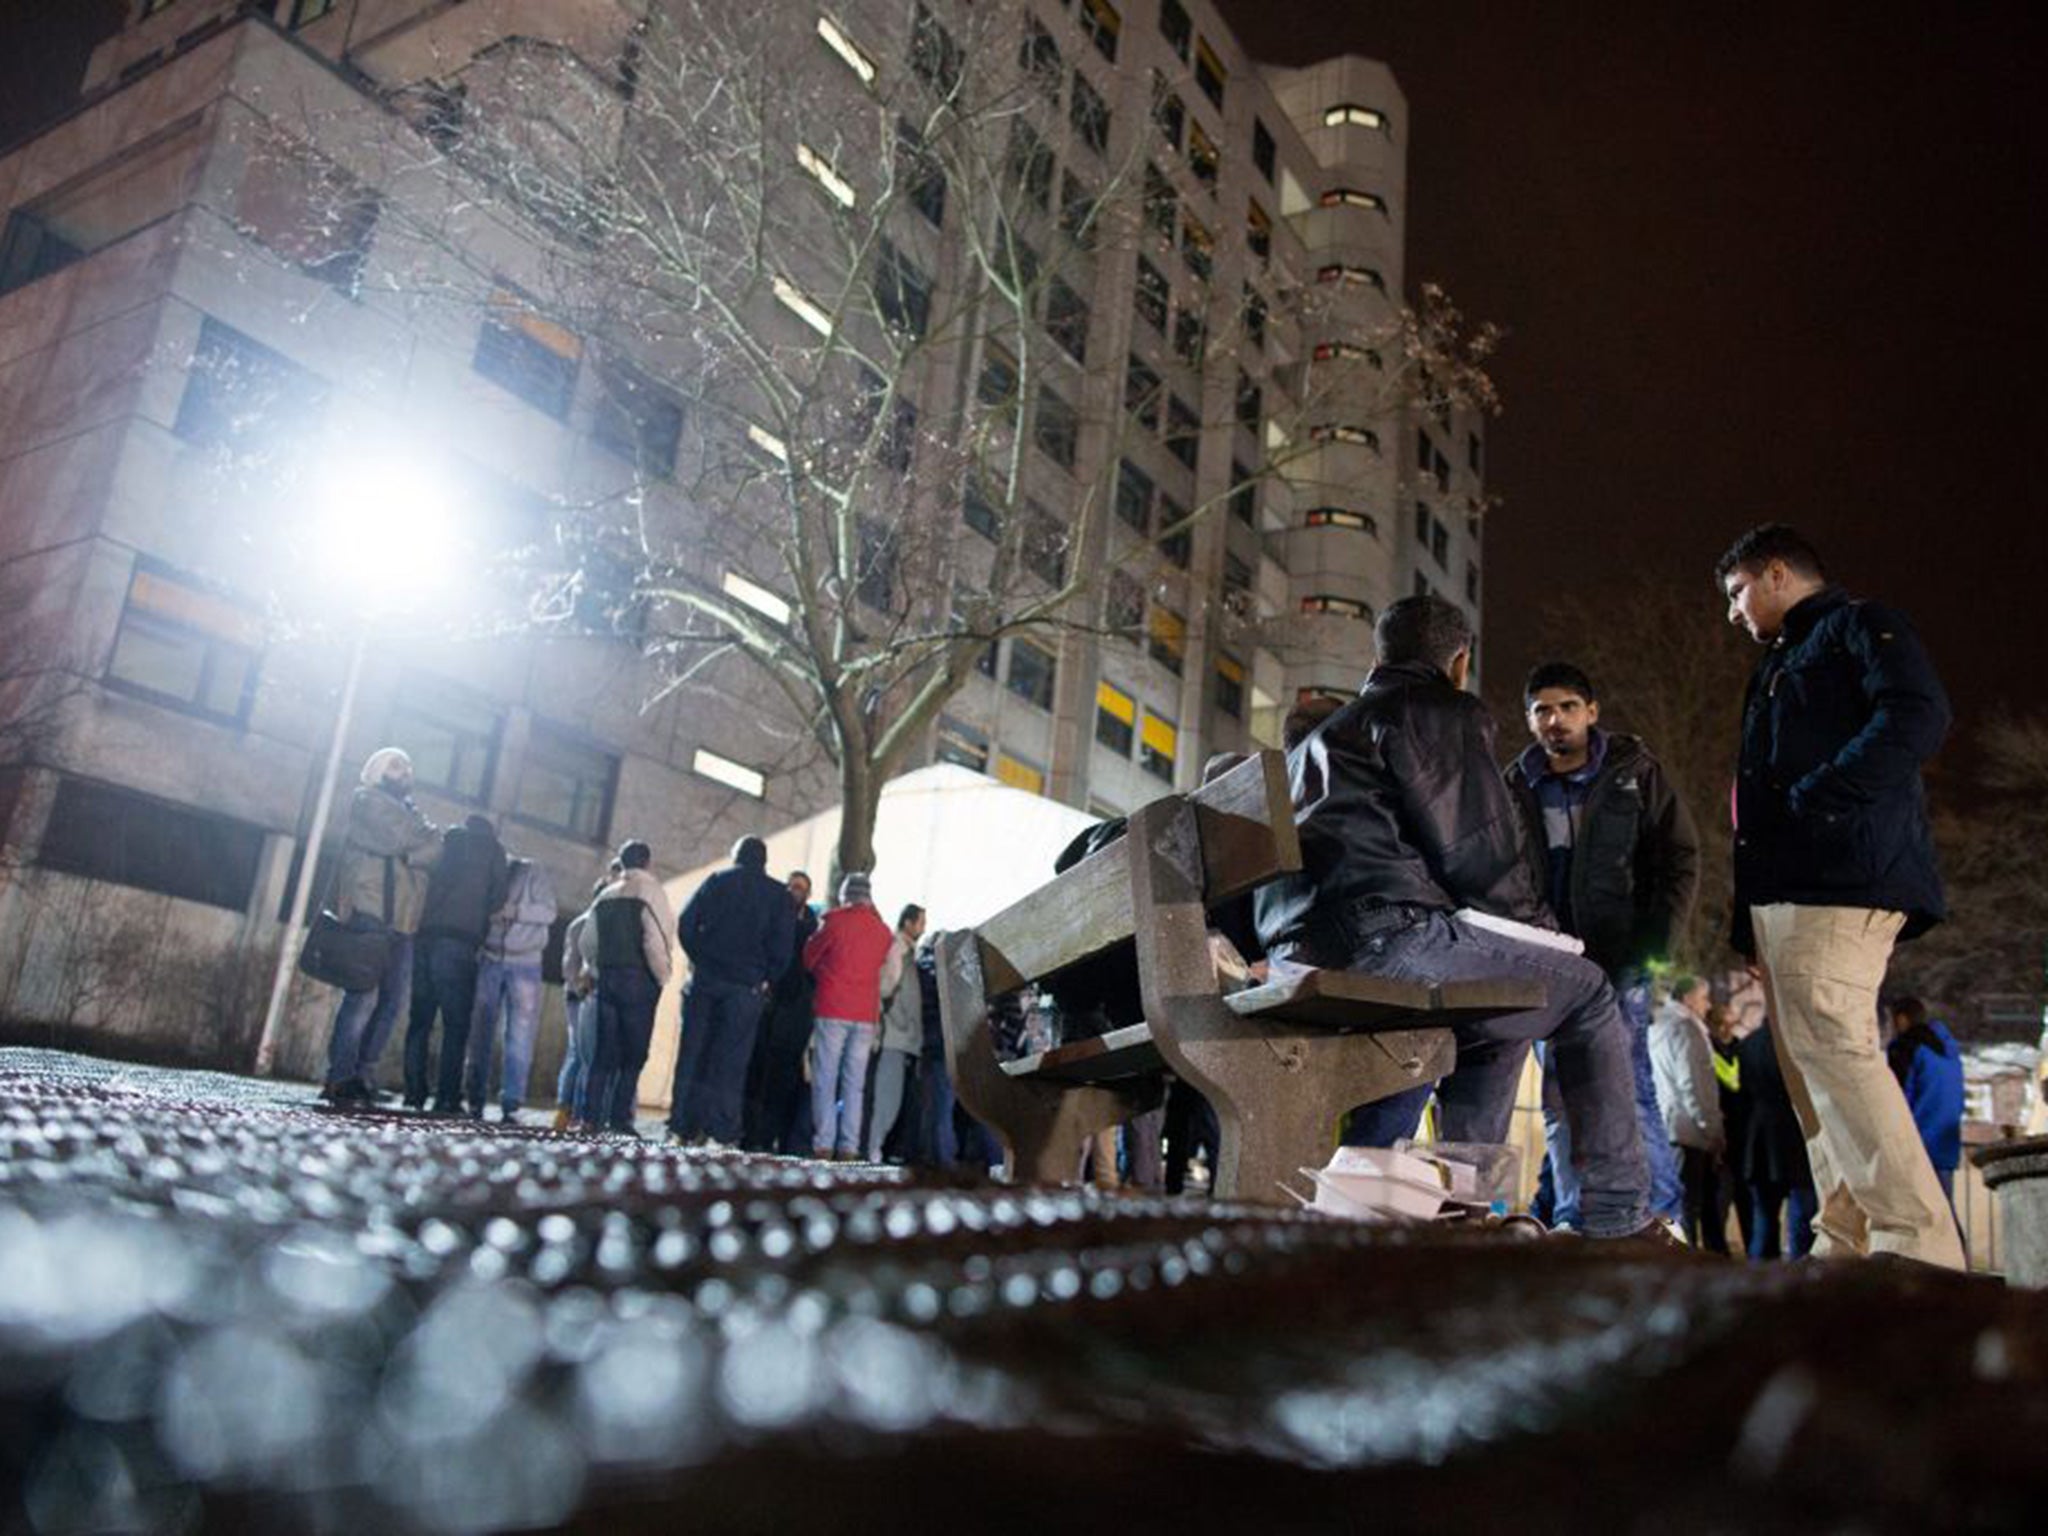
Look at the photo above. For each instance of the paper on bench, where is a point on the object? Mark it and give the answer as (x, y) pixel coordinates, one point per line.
(1528, 933)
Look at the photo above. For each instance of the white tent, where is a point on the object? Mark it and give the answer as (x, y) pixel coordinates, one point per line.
(956, 842)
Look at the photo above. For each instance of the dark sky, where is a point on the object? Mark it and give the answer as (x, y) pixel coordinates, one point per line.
(1759, 261)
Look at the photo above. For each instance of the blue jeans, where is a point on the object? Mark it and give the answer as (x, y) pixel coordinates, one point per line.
(1579, 1018)
(937, 1145)
(1667, 1188)
(509, 990)
(1801, 1205)
(839, 1083)
(720, 1019)
(626, 996)
(364, 1020)
(443, 982)
(577, 1054)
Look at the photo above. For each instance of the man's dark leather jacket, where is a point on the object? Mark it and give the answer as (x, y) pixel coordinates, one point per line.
(1399, 802)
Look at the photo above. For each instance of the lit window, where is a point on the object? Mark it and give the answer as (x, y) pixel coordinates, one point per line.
(1230, 686)
(837, 185)
(1158, 742)
(1209, 72)
(800, 304)
(1351, 115)
(1167, 637)
(1341, 607)
(1338, 272)
(1018, 774)
(1351, 197)
(1116, 719)
(768, 443)
(836, 39)
(1099, 19)
(528, 354)
(182, 645)
(1345, 351)
(1197, 248)
(1341, 517)
(1357, 437)
(756, 597)
(724, 770)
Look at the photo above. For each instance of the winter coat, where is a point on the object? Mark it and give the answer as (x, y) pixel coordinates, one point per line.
(1929, 1066)
(1399, 801)
(1773, 1144)
(383, 826)
(520, 927)
(1840, 715)
(653, 921)
(739, 927)
(1682, 1066)
(903, 1005)
(845, 957)
(1635, 866)
(467, 887)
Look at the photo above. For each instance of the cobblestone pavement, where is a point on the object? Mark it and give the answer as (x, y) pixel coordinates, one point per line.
(223, 1306)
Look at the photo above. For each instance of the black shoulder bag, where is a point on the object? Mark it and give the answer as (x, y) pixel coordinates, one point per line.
(352, 954)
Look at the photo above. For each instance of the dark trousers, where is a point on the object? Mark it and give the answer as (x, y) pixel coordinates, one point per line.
(719, 1023)
(626, 995)
(443, 982)
(1706, 1224)
(775, 1099)
(1800, 1206)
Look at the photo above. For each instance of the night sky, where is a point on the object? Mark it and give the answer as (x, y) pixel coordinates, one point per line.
(1758, 261)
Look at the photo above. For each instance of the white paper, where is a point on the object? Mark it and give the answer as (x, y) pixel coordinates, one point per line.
(1549, 938)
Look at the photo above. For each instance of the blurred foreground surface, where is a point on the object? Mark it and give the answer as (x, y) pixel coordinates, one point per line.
(223, 1307)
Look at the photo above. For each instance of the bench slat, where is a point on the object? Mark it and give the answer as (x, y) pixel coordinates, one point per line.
(1126, 1052)
(1246, 819)
(1332, 1000)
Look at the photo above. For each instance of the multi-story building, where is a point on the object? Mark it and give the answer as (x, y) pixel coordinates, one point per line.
(176, 652)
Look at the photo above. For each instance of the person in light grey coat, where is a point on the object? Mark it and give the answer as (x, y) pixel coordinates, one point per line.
(508, 988)
(1689, 1096)
(902, 1036)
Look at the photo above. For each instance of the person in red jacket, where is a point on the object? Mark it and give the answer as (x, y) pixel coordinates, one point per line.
(846, 956)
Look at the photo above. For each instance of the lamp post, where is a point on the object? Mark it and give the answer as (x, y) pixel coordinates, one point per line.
(383, 536)
(302, 887)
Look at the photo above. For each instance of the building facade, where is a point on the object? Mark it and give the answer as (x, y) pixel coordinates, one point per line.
(198, 381)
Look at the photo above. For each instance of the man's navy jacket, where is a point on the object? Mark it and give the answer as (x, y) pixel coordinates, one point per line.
(739, 926)
(1829, 809)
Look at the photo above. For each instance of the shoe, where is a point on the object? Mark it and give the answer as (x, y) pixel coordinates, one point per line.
(1657, 1236)
(417, 1106)
(334, 1093)
(563, 1121)
(439, 1111)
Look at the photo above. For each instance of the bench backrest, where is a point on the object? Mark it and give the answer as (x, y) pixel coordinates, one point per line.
(1246, 824)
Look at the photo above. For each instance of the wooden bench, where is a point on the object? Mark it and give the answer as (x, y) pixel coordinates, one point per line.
(1279, 1062)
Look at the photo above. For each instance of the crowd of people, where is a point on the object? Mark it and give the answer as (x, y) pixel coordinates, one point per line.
(1423, 859)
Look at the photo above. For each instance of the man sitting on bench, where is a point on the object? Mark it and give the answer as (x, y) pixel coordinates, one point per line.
(1404, 822)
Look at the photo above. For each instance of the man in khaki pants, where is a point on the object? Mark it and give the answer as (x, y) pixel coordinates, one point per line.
(1833, 865)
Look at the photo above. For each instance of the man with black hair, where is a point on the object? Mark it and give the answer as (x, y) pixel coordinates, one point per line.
(1617, 857)
(1834, 864)
(738, 930)
(1928, 1063)
(626, 943)
(467, 887)
(1410, 846)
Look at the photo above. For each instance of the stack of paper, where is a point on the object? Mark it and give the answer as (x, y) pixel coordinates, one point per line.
(1381, 1183)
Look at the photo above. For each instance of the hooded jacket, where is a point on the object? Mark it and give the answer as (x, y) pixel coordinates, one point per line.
(1840, 715)
(519, 928)
(1399, 801)
(1929, 1066)
(1635, 865)
(740, 925)
(384, 825)
(846, 957)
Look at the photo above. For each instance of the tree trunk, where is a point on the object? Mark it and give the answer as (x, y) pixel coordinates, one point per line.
(860, 797)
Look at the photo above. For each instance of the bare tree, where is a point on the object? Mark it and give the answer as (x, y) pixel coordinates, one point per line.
(840, 309)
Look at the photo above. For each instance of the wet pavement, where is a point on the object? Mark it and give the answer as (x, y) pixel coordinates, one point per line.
(225, 1307)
